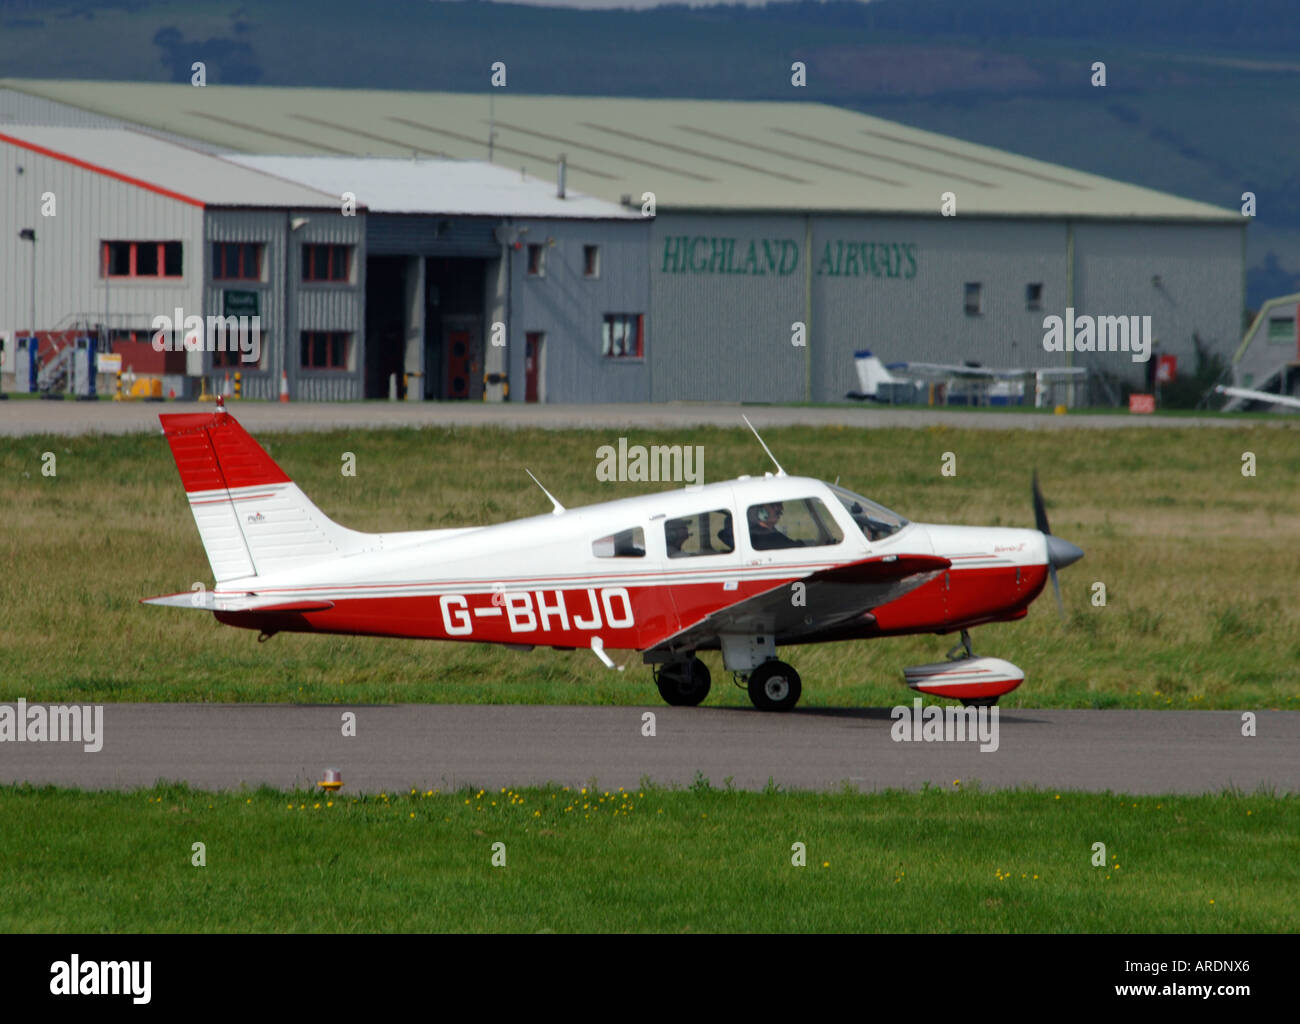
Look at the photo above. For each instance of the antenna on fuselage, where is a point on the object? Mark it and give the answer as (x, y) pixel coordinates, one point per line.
(779, 470)
(558, 507)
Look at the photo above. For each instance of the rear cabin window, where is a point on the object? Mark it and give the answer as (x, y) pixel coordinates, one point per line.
(802, 523)
(702, 533)
(624, 544)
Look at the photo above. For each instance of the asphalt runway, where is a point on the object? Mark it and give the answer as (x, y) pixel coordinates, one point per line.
(26, 416)
(396, 747)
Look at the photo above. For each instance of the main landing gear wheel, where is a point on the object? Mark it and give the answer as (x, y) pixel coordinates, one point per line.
(979, 702)
(683, 684)
(774, 686)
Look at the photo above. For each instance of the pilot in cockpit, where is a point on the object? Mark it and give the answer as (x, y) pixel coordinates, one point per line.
(764, 534)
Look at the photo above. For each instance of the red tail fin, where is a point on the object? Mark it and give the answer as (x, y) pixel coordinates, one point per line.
(213, 451)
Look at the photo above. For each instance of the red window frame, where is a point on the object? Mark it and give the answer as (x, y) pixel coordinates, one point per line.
(133, 260)
(330, 358)
(326, 262)
(247, 261)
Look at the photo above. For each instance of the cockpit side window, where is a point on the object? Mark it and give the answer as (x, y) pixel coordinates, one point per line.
(801, 523)
(701, 533)
(874, 520)
(628, 543)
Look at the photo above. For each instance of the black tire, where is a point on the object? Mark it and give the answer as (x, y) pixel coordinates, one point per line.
(774, 686)
(979, 702)
(684, 684)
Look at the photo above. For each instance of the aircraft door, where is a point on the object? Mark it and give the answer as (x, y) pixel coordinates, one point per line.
(701, 558)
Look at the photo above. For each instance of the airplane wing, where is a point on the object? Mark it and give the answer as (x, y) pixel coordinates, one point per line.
(1003, 373)
(929, 370)
(831, 597)
(1259, 396)
(207, 601)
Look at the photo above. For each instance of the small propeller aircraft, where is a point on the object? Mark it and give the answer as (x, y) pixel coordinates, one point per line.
(744, 566)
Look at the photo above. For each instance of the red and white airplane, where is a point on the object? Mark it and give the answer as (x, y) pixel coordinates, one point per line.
(743, 566)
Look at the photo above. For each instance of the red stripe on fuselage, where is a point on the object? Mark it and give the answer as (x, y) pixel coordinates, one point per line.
(953, 600)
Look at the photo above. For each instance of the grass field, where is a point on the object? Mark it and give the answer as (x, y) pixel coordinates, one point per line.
(701, 859)
(1199, 563)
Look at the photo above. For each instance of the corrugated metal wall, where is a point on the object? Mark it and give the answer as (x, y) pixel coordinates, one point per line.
(570, 309)
(1199, 288)
(267, 228)
(328, 307)
(732, 287)
(722, 317)
(390, 234)
(904, 296)
(314, 307)
(89, 208)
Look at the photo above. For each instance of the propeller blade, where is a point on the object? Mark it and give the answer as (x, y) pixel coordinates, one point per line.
(1040, 509)
(1056, 585)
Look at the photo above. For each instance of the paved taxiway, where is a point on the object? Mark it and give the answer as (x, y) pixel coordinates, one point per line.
(27, 416)
(443, 747)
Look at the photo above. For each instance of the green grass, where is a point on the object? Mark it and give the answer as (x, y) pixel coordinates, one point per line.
(1199, 564)
(701, 859)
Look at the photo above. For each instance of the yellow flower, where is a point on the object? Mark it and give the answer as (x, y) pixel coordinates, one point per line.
(330, 804)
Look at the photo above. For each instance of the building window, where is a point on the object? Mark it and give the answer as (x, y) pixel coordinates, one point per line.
(1033, 296)
(238, 342)
(536, 259)
(325, 350)
(974, 297)
(1281, 331)
(623, 336)
(236, 261)
(141, 259)
(591, 261)
(327, 262)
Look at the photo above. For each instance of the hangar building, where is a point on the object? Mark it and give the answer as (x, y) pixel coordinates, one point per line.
(784, 236)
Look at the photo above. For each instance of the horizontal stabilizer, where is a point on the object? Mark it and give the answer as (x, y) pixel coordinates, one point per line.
(208, 601)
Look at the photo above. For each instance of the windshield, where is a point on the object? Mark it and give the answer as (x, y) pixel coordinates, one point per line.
(875, 521)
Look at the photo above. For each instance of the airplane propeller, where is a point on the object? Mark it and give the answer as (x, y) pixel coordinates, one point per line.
(1060, 553)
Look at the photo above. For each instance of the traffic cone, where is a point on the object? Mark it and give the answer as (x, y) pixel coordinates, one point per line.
(284, 386)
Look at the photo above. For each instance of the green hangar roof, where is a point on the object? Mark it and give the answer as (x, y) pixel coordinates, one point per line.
(692, 154)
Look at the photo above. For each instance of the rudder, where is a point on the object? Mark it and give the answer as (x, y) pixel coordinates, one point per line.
(253, 520)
